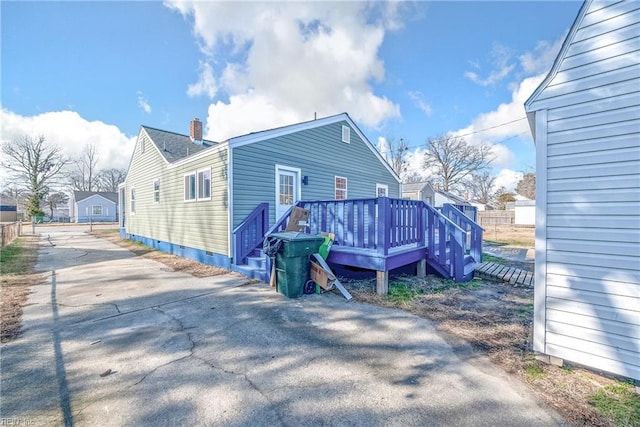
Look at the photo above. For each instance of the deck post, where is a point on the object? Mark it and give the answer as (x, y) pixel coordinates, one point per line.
(382, 282)
(422, 268)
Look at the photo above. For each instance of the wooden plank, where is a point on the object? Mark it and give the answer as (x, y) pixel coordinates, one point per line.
(492, 267)
(382, 282)
(502, 272)
(529, 279)
(510, 272)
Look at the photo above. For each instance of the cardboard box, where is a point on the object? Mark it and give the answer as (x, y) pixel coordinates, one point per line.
(320, 276)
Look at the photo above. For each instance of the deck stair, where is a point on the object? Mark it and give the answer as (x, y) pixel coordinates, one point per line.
(505, 273)
(378, 234)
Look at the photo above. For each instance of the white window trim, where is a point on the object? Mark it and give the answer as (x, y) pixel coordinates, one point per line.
(297, 171)
(157, 180)
(184, 187)
(97, 206)
(132, 201)
(346, 131)
(335, 187)
(386, 189)
(198, 184)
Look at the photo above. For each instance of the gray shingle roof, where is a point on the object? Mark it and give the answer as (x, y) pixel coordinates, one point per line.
(81, 195)
(414, 186)
(175, 146)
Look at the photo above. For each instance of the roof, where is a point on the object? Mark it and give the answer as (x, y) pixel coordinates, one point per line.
(174, 146)
(414, 186)
(459, 200)
(81, 195)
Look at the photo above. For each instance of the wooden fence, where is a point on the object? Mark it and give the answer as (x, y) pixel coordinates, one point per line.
(487, 218)
(10, 232)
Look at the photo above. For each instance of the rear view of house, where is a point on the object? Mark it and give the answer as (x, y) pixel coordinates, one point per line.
(585, 118)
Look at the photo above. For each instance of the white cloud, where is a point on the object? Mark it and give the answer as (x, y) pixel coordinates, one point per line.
(500, 60)
(206, 84)
(508, 179)
(143, 103)
(541, 59)
(293, 59)
(71, 133)
(418, 101)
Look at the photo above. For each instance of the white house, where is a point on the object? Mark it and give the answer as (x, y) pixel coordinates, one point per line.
(585, 119)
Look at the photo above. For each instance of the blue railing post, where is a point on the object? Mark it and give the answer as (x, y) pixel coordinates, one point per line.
(382, 225)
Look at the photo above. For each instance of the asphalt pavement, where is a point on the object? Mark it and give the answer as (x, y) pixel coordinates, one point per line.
(112, 339)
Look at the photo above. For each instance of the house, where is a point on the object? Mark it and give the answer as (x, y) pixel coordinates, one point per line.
(434, 196)
(585, 119)
(188, 196)
(93, 206)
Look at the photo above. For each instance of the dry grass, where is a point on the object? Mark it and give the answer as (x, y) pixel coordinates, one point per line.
(17, 260)
(497, 320)
(510, 235)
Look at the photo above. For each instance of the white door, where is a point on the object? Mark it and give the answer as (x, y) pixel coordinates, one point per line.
(287, 190)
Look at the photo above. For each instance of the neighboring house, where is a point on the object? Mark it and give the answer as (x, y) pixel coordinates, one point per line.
(186, 195)
(432, 195)
(585, 118)
(525, 212)
(93, 206)
(8, 213)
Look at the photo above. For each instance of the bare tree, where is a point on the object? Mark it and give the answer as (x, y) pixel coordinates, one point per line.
(452, 159)
(503, 197)
(109, 179)
(83, 176)
(481, 188)
(527, 186)
(33, 165)
(395, 154)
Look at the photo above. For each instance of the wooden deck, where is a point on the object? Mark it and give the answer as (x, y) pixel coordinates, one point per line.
(505, 273)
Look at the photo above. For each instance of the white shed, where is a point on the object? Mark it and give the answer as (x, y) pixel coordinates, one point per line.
(585, 119)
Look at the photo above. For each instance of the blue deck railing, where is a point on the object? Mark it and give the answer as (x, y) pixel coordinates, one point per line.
(380, 225)
(249, 234)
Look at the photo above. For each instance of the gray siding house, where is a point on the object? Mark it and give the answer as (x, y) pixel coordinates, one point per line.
(585, 119)
(96, 206)
(186, 195)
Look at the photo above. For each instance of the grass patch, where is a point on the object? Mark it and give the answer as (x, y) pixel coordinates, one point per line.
(534, 371)
(14, 258)
(401, 293)
(492, 258)
(619, 402)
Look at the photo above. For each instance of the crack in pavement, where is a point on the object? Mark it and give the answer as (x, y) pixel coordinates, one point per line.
(87, 305)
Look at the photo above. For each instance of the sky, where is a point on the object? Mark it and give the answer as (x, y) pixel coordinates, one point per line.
(93, 72)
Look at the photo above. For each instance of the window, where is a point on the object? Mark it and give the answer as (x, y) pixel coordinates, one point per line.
(346, 134)
(204, 184)
(96, 210)
(133, 201)
(341, 188)
(156, 191)
(190, 187)
(382, 190)
(142, 145)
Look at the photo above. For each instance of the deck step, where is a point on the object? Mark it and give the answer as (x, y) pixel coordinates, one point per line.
(505, 273)
(257, 262)
(252, 272)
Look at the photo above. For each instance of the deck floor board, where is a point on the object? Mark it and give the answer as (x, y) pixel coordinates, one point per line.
(505, 273)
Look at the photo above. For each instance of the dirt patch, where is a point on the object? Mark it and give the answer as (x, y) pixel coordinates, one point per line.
(510, 235)
(15, 284)
(497, 320)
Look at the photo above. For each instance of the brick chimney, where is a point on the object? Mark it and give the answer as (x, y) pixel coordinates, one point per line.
(195, 130)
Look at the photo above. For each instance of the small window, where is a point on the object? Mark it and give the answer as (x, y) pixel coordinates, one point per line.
(382, 190)
(133, 200)
(204, 184)
(190, 187)
(346, 134)
(142, 145)
(341, 188)
(156, 191)
(96, 210)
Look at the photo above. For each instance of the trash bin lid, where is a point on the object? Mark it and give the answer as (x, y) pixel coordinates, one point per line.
(296, 235)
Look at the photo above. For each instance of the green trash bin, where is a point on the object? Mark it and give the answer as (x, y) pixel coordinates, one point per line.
(292, 261)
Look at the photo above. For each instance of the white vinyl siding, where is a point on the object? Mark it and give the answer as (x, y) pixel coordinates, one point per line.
(590, 226)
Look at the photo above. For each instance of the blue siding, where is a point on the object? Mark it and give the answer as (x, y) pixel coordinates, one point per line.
(84, 209)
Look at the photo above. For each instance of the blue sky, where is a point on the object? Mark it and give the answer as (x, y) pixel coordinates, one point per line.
(93, 72)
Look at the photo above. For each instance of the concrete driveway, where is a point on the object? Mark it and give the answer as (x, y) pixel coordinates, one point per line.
(215, 351)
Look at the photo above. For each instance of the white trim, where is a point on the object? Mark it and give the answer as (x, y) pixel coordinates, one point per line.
(96, 195)
(230, 203)
(198, 184)
(184, 187)
(346, 187)
(155, 202)
(276, 184)
(386, 189)
(200, 154)
(540, 286)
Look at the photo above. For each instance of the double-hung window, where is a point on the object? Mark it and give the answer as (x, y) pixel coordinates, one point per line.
(156, 191)
(204, 184)
(340, 188)
(96, 210)
(133, 201)
(190, 187)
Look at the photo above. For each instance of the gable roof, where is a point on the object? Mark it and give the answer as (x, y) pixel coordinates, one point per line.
(457, 199)
(415, 186)
(556, 65)
(174, 146)
(81, 195)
